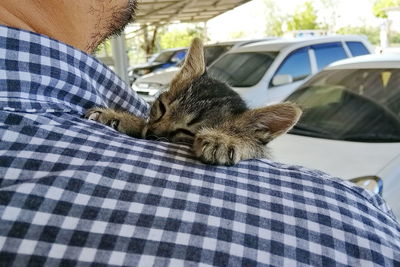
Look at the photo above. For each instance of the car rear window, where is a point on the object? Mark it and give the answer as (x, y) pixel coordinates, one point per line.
(242, 69)
(328, 53)
(357, 48)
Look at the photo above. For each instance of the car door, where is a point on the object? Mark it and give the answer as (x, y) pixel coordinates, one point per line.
(297, 65)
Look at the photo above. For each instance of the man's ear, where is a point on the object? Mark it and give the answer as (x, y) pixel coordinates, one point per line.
(193, 67)
(269, 122)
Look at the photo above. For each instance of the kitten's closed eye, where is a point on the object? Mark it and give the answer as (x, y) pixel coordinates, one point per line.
(182, 136)
(182, 132)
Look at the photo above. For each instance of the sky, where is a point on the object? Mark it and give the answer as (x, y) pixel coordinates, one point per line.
(250, 17)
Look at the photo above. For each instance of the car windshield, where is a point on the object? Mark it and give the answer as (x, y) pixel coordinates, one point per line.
(213, 52)
(163, 56)
(355, 105)
(242, 69)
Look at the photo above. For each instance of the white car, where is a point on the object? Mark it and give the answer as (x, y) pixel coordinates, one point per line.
(350, 127)
(149, 86)
(267, 72)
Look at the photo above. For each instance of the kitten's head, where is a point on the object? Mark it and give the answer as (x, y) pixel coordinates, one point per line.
(195, 101)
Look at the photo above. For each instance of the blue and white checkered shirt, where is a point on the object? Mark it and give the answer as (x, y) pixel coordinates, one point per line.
(76, 192)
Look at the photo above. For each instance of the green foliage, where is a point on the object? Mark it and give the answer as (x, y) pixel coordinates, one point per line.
(305, 18)
(238, 35)
(275, 27)
(394, 39)
(372, 33)
(274, 19)
(104, 49)
(329, 20)
(380, 5)
(180, 38)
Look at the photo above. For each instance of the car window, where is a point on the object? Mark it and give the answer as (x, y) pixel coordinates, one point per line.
(351, 104)
(242, 69)
(163, 56)
(328, 53)
(357, 48)
(214, 52)
(296, 64)
(178, 56)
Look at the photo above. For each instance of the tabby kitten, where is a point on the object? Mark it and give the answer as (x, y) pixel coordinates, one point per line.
(207, 114)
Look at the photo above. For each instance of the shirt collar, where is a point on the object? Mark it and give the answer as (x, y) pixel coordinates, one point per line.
(38, 73)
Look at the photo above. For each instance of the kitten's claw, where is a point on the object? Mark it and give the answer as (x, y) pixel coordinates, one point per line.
(114, 124)
(120, 121)
(104, 116)
(93, 116)
(214, 149)
(231, 153)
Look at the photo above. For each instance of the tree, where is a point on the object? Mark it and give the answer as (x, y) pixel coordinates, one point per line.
(274, 18)
(329, 19)
(180, 38)
(149, 37)
(372, 33)
(380, 11)
(237, 35)
(305, 18)
(380, 5)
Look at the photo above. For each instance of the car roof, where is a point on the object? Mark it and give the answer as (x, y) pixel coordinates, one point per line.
(282, 43)
(241, 42)
(172, 49)
(368, 62)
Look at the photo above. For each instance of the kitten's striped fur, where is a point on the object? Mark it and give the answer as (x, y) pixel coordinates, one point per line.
(207, 114)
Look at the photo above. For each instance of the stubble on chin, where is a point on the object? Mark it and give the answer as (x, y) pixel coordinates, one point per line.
(111, 20)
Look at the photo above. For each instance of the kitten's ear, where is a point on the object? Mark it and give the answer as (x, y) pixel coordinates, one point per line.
(193, 67)
(269, 122)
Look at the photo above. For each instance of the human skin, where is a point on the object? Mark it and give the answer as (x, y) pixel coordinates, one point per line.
(83, 24)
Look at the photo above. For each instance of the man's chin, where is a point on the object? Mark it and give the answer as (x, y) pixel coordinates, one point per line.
(116, 23)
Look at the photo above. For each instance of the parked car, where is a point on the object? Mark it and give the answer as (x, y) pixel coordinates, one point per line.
(264, 73)
(148, 86)
(165, 59)
(267, 72)
(350, 127)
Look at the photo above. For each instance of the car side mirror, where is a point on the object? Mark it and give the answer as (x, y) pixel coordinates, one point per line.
(175, 60)
(282, 79)
(371, 183)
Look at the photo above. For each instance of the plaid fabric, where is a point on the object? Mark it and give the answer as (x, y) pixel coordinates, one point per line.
(75, 192)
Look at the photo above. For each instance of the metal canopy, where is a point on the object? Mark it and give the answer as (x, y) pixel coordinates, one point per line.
(167, 11)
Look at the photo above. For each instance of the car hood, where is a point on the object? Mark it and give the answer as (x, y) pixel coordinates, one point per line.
(342, 159)
(146, 65)
(159, 77)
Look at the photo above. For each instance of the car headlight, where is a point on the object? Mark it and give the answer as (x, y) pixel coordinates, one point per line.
(139, 85)
(143, 71)
(150, 89)
(371, 183)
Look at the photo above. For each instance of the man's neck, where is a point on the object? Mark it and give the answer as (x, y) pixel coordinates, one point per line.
(42, 18)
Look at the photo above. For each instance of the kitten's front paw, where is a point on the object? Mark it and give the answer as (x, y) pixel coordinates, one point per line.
(105, 116)
(121, 121)
(214, 148)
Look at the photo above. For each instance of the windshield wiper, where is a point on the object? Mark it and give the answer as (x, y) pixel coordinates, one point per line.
(306, 130)
(371, 137)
